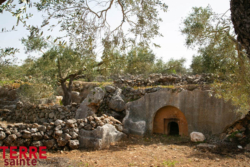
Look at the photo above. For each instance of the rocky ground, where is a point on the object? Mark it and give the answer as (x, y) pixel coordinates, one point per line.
(158, 150)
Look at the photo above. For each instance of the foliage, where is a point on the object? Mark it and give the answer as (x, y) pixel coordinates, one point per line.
(85, 22)
(34, 92)
(140, 61)
(171, 67)
(7, 59)
(219, 53)
(113, 62)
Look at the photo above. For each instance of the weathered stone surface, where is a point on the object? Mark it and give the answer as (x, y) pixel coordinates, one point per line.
(90, 104)
(58, 122)
(110, 89)
(117, 103)
(49, 143)
(62, 141)
(11, 138)
(33, 130)
(71, 122)
(75, 96)
(58, 132)
(37, 143)
(137, 128)
(26, 134)
(37, 136)
(100, 138)
(197, 137)
(2, 135)
(74, 144)
(203, 113)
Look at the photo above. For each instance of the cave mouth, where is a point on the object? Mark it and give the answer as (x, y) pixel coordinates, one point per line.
(173, 128)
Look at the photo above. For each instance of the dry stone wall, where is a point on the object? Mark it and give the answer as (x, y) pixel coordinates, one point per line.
(38, 113)
(159, 79)
(60, 135)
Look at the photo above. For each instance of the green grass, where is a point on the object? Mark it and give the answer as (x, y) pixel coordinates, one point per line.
(6, 82)
(169, 163)
(155, 86)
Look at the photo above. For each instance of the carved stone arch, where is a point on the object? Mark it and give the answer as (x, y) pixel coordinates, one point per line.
(166, 117)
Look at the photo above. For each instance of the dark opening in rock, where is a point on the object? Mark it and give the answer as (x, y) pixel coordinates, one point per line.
(173, 128)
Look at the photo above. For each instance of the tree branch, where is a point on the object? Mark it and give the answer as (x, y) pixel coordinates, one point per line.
(2, 1)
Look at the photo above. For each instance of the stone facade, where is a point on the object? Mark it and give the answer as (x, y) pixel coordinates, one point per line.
(203, 113)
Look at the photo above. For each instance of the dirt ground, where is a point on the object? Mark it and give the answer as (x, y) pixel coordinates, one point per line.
(155, 151)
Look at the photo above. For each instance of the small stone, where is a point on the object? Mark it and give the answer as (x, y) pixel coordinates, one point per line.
(71, 122)
(110, 89)
(49, 143)
(197, 137)
(73, 144)
(2, 135)
(33, 130)
(37, 136)
(67, 136)
(37, 143)
(196, 160)
(58, 122)
(58, 132)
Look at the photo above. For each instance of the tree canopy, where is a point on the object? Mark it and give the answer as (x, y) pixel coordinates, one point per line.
(219, 53)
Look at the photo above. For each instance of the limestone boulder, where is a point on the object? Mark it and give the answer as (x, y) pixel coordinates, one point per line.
(117, 103)
(197, 137)
(2, 135)
(49, 143)
(73, 144)
(110, 89)
(90, 104)
(100, 138)
(75, 96)
(37, 143)
(95, 97)
(136, 128)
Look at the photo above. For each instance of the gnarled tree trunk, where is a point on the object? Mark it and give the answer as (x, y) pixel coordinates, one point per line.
(240, 15)
(66, 93)
(2, 1)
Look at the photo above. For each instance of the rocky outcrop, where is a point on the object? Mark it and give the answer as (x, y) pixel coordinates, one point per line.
(90, 104)
(238, 132)
(116, 102)
(101, 137)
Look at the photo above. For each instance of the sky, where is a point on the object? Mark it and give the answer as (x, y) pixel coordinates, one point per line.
(172, 44)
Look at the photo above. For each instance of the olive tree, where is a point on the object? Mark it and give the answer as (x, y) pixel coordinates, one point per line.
(59, 64)
(220, 53)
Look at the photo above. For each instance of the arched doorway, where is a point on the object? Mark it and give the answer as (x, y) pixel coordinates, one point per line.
(173, 128)
(170, 120)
